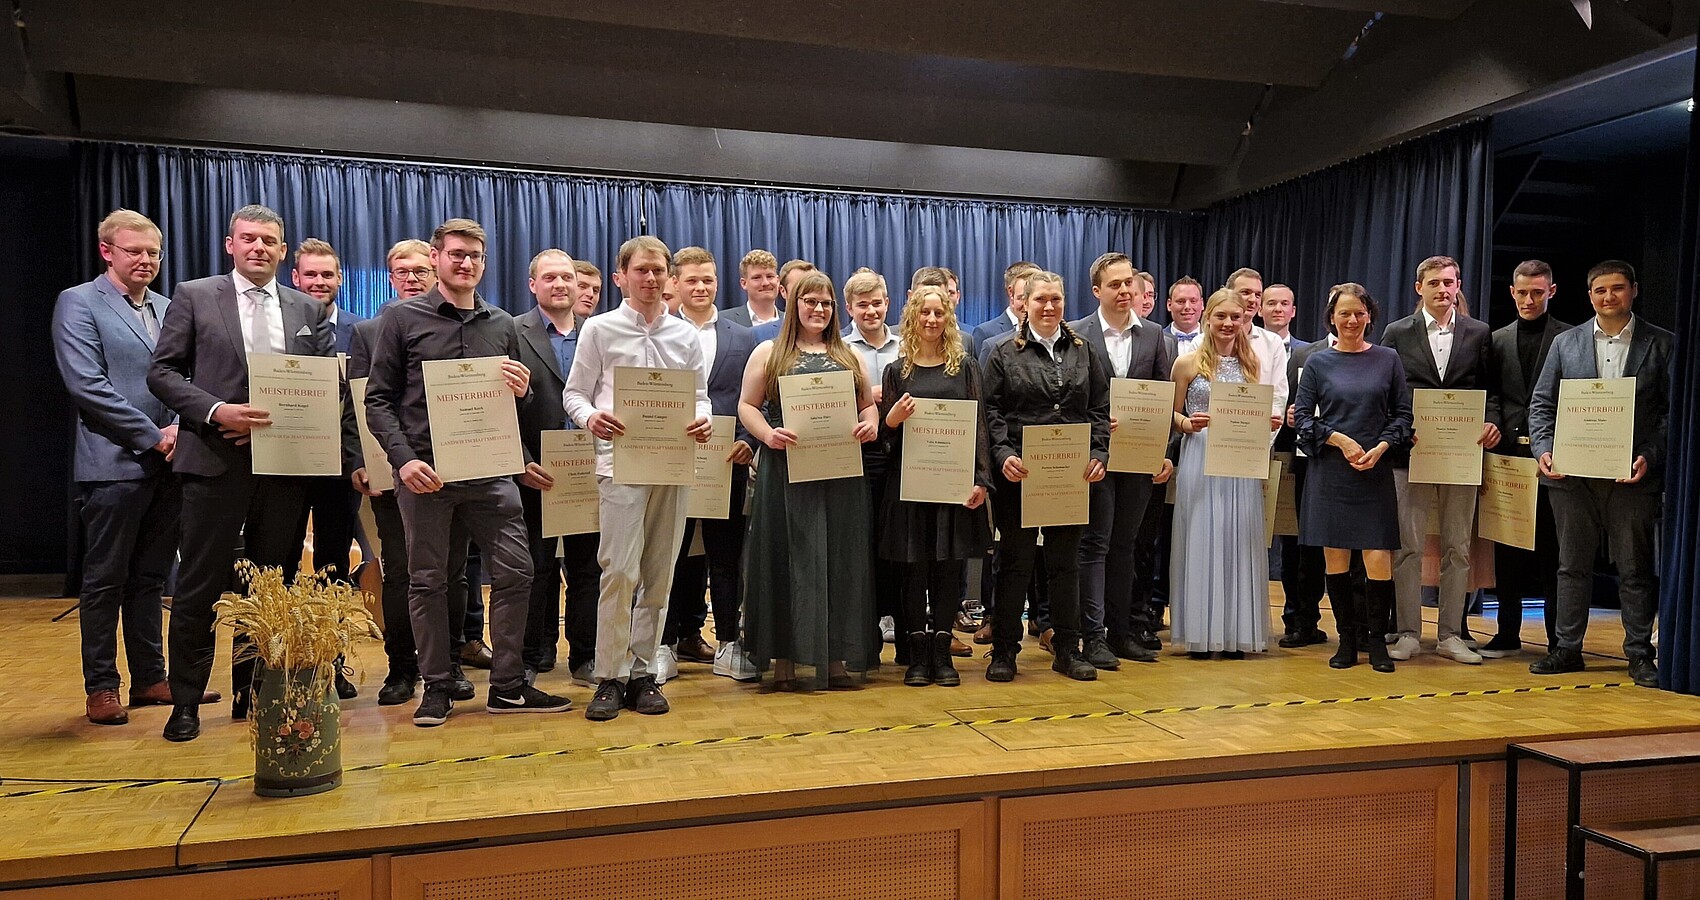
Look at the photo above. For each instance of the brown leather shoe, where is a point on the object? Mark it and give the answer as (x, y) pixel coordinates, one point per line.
(957, 648)
(692, 648)
(1045, 640)
(104, 708)
(159, 694)
(984, 635)
(475, 655)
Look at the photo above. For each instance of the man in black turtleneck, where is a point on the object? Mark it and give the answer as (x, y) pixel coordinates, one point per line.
(1519, 351)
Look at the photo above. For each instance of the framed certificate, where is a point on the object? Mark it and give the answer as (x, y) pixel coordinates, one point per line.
(939, 441)
(820, 408)
(474, 422)
(1506, 511)
(1595, 433)
(572, 505)
(1145, 414)
(304, 396)
(1055, 491)
(1448, 424)
(1236, 445)
(657, 406)
(710, 496)
(379, 475)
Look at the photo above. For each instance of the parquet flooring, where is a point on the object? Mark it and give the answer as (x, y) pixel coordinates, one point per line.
(1171, 719)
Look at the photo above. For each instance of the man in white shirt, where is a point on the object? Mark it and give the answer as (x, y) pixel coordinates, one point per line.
(1186, 307)
(1271, 348)
(642, 525)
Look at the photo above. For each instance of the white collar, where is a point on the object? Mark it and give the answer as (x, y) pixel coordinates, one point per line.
(856, 337)
(243, 285)
(1132, 325)
(1624, 335)
(1430, 322)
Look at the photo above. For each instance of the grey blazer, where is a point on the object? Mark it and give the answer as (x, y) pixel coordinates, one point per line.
(1648, 362)
(104, 352)
(200, 361)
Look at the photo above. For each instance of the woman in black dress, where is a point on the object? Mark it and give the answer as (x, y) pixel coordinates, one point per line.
(934, 541)
(1352, 407)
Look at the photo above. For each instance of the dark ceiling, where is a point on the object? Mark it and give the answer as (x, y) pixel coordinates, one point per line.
(1172, 103)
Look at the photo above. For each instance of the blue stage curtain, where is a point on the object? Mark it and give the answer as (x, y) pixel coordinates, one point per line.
(361, 207)
(1369, 220)
(1679, 627)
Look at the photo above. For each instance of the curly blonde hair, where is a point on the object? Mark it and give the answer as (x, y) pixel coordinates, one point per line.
(909, 330)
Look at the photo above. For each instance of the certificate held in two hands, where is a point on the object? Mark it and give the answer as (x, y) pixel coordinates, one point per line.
(939, 442)
(657, 407)
(820, 408)
(1237, 441)
(1594, 431)
(1144, 414)
(1448, 428)
(571, 505)
(303, 395)
(474, 422)
(1055, 491)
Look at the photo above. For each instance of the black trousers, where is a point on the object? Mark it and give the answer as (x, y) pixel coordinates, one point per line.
(130, 536)
(934, 583)
(1302, 569)
(717, 573)
(1037, 594)
(470, 587)
(1522, 574)
(399, 646)
(1107, 558)
(260, 512)
(332, 502)
(1151, 562)
(576, 568)
(1017, 548)
(888, 580)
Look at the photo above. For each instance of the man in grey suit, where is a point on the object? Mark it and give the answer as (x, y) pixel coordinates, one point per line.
(1129, 347)
(1014, 285)
(1616, 343)
(758, 275)
(200, 369)
(103, 337)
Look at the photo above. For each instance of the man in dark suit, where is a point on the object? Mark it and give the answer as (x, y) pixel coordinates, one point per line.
(1301, 567)
(1519, 351)
(1615, 344)
(549, 337)
(1014, 285)
(758, 275)
(726, 348)
(200, 369)
(1441, 349)
(1128, 347)
(103, 338)
(331, 501)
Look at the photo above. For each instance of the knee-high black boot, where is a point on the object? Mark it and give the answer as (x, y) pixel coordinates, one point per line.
(1345, 620)
(1378, 607)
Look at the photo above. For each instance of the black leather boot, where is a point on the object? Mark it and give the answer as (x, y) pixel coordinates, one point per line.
(944, 671)
(1069, 661)
(1345, 620)
(920, 671)
(1378, 607)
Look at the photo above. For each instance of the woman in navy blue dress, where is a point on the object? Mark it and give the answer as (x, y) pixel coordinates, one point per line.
(1352, 407)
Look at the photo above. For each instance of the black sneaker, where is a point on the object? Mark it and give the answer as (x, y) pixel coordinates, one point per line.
(461, 685)
(609, 700)
(1002, 666)
(397, 689)
(526, 699)
(644, 696)
(434, 709)
(1148, 640)
(1501, 646)
(1097, 652)
(1558, 662)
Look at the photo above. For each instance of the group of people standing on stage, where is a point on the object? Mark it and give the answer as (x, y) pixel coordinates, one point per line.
(800, 574)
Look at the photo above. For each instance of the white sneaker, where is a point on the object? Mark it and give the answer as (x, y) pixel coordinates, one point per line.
(888, 629)
(1453, 648)
(1406, 647)
(730, 662)
(666, 664)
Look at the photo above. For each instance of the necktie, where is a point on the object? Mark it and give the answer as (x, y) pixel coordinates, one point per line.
(259, 321)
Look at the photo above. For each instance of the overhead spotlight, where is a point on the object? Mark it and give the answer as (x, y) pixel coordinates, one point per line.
(1585, 9)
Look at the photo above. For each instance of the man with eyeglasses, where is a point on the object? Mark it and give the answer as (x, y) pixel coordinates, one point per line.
(453, 322)
(104, 333)
(200, 369)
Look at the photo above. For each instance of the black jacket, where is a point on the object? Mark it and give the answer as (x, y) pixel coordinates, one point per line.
(1025, 387)
(1513, 389)
(1470, 367)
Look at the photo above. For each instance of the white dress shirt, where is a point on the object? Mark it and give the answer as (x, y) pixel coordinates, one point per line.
(1119, 343)
(758, 320)
(1612, 351)
(621, 337)
(245, 311)
(1049, 343)
(874, 359)
(1185, 343)
(1440, 339)
(708, 337)
(1014, 320)
(1272, 364)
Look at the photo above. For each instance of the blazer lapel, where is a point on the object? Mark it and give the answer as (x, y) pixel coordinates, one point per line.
(1420, 326)
(294, 319)
(225, 298)
(1512, 371)
(722, 337)
(1638, 347)
(540, 343)
(120, 306)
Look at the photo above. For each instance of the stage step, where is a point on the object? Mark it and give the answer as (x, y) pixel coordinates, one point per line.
(1654, 842)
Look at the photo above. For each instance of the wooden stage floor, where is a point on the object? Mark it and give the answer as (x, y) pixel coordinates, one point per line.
(730, 752)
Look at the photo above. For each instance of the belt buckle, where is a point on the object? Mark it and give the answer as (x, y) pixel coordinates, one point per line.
(1523, 440)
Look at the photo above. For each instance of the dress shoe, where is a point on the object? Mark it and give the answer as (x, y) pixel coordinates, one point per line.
(1069, 661)
(1045, 640)
(983, 634)
(103, 708)
(459, 686)
(398, 688)
(1002, 666)
(1304, 638)
(1033, 629)
(1130, 649)
(546, 660)
(159, 694)
(1558, 662)
(475, 654)
(666, 664)
(184, 724)
(967, 622)
(345, 689)
(609, 700)
(1096, 650)
(1148, 639)
(957, 648)
(1643, 671)
(1453, 648)
(1501, 646)
(1198, 654)
(692, 648)
(1405, 647)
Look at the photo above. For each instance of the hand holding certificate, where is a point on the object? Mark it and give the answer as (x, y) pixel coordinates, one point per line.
(939, 442)
(1507, 507)
(572, 505)
(1055, 491)
(303, 395)
(656, 406)
(820, 409)
(710, 496)
(1595, 432)
(1237, 441)
(474, 423)
(1144, 414)
(1448, 431)
(379, 476)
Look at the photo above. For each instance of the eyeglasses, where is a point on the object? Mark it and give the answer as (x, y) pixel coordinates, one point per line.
(817, 304)
(460, 256)
(410, 274)
(148, 252)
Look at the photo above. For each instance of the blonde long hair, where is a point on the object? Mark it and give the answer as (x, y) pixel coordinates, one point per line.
(1207, 355)
(785, 350)
(909, 330)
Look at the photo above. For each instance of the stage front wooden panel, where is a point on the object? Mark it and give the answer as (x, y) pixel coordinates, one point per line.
(1611, 796)
(1389, 833)
(921, 853)
(346, 880)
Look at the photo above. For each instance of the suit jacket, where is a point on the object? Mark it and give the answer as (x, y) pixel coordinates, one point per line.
(991, 328)
(1514, 390)
(733, 344)
(361, 336)
(345, 322)
(1648, 362)
(1287, 438)
(1153, 356)
(740, 315)
(200, 362)
(104, 352)
(546, 411)
(1469, 368)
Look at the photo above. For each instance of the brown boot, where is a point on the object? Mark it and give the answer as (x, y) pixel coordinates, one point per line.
(103, 708)
(159, 694)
